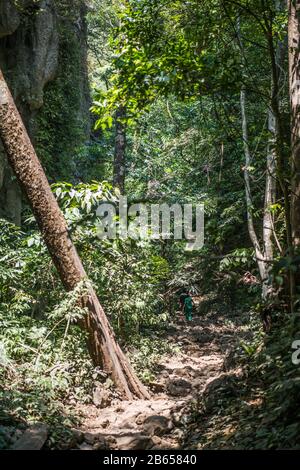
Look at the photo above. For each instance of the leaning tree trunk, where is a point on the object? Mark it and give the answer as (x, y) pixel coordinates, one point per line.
(103, 347)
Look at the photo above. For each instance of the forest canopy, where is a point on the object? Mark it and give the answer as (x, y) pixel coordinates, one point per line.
(149, 224)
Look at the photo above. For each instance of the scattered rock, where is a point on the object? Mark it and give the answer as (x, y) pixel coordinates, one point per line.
(140, 418)
(157, 387)
(203, 338)
(134, 441)
(100, 445)
(224, 385)
(120, 409)
(85, 446)
(157, 425)
(96, 440)
(111, 442)
(105, 423)
(162, 422)
(77, 438)
(33, 438)
(182, 372)
(179, 387)
(163, 444)
(165, 374)
(128, 424)
(101, 397)
(156, 442)
(196, 354)
(90, 438)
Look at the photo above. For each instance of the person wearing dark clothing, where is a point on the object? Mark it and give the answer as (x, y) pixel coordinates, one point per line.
(186, 303)
(188, 308)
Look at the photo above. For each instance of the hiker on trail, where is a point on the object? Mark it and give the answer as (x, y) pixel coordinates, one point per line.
(186, 302)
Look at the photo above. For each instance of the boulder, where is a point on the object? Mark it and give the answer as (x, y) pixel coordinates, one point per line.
(101, 397)
(157, 425)
(85, 446)
(223, 386)
(179, 387)
(33, 438)
(76, 438)
(133, 441)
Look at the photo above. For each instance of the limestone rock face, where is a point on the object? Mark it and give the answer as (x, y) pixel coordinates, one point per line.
(9, 18)
(30, 44)
(39, 58)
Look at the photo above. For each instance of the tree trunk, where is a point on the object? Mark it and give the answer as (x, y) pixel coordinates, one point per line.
(259, 254)
(262, 266)
(270, 189)
(270, 198)
(264, 255)
(277, 59)
(10, 194)
(221, 163)
(294, 81)
(120, 148)
(103, 348)
(274, 165)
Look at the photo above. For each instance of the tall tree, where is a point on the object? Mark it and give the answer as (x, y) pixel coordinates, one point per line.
(294, 81)
(103, 347)
(264, 251)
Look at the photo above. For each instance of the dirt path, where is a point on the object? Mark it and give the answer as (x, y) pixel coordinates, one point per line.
(159, 422)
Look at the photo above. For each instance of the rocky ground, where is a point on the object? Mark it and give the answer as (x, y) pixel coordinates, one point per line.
(206, 345)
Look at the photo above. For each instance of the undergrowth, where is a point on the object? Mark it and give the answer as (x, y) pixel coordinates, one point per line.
(45, 369)
(260, 409)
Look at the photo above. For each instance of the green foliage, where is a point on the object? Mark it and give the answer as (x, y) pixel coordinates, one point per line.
(237, 261)
(279, 381)
(265, 413)
(44, 363)
(80, 202)
(129, 275)
(177, 67)
(160, 48)
(146, 352)
(44, 366)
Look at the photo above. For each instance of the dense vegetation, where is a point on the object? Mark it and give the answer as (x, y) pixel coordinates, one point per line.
(204, 93)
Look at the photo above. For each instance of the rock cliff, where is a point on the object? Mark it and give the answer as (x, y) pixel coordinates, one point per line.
(32, 36)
